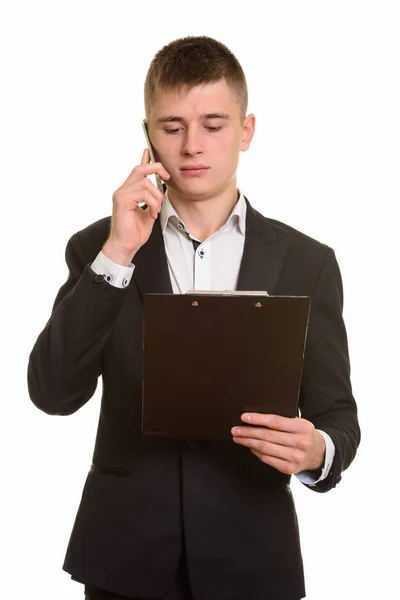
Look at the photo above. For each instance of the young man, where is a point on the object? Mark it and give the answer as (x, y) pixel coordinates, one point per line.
(192, 519)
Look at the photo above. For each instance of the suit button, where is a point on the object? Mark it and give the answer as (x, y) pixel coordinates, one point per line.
(192, 444)
(99, 279)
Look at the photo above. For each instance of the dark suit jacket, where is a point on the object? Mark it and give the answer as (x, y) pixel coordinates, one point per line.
(142, 495)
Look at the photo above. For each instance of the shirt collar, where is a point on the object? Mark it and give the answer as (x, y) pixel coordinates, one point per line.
(168, 213)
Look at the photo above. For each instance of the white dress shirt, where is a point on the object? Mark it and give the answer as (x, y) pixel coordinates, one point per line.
(213, 266)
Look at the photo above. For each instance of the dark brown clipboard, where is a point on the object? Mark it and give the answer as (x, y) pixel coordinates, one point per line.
(209, 358)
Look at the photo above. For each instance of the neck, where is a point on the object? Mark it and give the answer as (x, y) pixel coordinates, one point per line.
(205, 216)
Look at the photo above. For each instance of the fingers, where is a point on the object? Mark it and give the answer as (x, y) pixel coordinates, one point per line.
(147, 168)
(287, 453)
(130, 189)
(145, 157)
(153, 205)
(281, 465)
(285, 459)
(152, 169)
(152, 199)
(153, 189)
(130, 196)
(289, 424)
(282, 438)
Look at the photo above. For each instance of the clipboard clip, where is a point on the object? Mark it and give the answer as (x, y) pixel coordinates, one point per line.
(228, 292)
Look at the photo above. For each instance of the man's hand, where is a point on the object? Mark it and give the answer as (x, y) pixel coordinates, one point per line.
(130, 225)
(289, 445)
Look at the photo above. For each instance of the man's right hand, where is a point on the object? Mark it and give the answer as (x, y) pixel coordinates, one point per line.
(131, 226)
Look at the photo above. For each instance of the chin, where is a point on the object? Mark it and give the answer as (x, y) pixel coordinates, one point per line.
(192, 188)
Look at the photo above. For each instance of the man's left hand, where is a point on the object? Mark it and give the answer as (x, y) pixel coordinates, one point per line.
(290, 445)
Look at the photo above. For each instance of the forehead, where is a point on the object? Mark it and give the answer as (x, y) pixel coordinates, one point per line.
(210, 98)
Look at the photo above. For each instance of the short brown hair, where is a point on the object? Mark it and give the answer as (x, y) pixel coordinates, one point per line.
(191, 61)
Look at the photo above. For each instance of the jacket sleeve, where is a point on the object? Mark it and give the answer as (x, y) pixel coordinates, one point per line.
(326, 397)
(65, 362)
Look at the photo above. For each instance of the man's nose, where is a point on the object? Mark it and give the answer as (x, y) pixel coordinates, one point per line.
(192, 143)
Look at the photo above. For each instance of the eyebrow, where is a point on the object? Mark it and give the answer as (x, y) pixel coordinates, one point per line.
(172, 118)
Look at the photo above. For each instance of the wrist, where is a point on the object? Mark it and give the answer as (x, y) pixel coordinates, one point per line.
(317, 460)
(118, 255)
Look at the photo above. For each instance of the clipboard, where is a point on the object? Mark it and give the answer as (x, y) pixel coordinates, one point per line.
(208, 357)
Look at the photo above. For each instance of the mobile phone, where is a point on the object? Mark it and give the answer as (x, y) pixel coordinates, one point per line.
(152, 156)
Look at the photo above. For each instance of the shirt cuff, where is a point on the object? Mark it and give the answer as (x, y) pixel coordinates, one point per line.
(117, 275)
(305, 476)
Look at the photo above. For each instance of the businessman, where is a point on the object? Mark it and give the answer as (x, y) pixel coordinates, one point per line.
(173, 519)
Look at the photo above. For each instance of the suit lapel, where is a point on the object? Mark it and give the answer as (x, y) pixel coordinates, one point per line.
(151, 267)
(263, 254)
(263, 257)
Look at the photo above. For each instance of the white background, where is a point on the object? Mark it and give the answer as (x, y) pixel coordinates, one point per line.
(323, 82)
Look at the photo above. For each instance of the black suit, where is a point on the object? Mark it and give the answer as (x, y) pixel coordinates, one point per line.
(237, 513)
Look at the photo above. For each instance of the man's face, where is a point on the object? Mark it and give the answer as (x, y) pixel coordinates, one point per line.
(199, 127)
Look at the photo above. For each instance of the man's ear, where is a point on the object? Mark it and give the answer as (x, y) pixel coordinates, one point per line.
(249, 127)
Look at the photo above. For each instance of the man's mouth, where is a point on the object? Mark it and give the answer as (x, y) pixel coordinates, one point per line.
(194, 169)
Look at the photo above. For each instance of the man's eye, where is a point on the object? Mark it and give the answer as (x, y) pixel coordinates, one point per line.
(212, 129)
